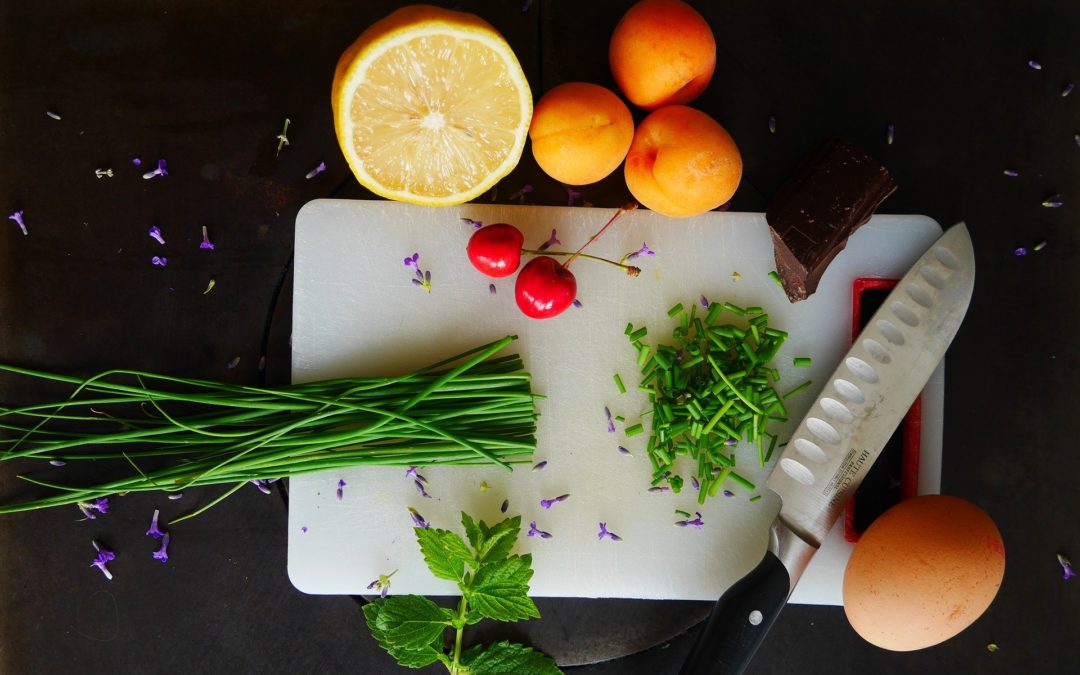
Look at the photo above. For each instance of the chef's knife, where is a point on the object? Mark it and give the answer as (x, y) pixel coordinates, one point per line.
(838, 441)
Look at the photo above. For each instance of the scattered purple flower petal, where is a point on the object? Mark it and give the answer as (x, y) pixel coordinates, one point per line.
(536, 532)
(103, 173)
(1011, 173)
(475, 223)
(414, 472)
(341, 488)
(504, 506)
(728, 493)
(155, 234)
(547, 503)
(103, 557)
(263, 486)
(303, 529)
(572, 195)
(316, 171)
(1034, 65)
(660, 488)
(136, 161)
(696, 523)
(552, 240)
(890, 133)
(610, 422)
(577, 303)
(233, 362)
(539, 465)
(423, 279)
(1020, 251)
(624, 451)
(176, 495)
(206, 243)
(1066, 567)
(1053, 202)
(159, 171)
(604, 532)
(644, 250)
(694, 482)
(731, 441)
(1067, 89)
(57, 462)
(160, 261)
(420, 488)
(520, 194)
(772, 124)
(418, 520)
(491, 289)
(382, 584)
(154, 531)
(52, 115)
(18, 218)
(162, 553)
(704, 302)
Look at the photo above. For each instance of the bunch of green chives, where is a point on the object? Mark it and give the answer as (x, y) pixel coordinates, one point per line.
(474, 408)
(710, 390)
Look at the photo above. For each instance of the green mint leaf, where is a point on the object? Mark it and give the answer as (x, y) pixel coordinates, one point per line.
(408, 621)
(506, 657)
(472, 530)
(500, 590)
(444, 552)
(400, 639)
(499, 540)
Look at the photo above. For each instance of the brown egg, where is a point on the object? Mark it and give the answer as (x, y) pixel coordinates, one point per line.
(923, 572)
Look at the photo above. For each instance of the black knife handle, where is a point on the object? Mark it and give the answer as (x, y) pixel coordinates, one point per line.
(738, 623)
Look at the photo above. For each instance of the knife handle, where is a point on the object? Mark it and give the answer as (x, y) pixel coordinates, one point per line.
(738, 623)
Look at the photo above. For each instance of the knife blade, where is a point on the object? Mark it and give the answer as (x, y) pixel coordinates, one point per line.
(838, 441)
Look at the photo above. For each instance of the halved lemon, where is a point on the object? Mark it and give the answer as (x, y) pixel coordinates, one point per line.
(431, 106)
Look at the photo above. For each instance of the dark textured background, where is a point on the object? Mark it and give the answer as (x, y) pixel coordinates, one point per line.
(207, 86)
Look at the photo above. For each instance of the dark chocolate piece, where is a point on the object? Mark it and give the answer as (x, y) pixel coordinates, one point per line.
(814, 213)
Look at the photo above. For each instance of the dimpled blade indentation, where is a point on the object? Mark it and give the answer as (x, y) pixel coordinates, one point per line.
(863, 370)
(849, 391)
(797, 471)
(823, 430)
(811, 450)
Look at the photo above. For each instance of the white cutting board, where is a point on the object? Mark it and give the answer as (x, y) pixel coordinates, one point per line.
(356, 312)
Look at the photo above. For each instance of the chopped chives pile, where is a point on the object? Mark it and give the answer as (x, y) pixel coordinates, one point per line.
(709, 390)
(474, 408)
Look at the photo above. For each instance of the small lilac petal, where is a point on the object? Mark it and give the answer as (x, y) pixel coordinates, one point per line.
(659, 488)
(731, 441)
(552, 240)
(162, 553)
(303, 529)
(176, 495)
(206, 243)
(418, 520)
(57, 462)
(536, 532)
(263, 486)
(160, 261)
(101, 504)
(491, 289)
(1067, 89)
(475, 223)
(1020, 251)
(504, 506)
(728, 493)
(539, 465)
(624, 451)
(704, 302)
(577, 303)
(103, 557)
(316, 171)
(1011, 173)
(341, 488)
(695, 483)
(1053, 202)
(155, 234)
(18, 218)
(53, 115)
(604, 532)
(610, 422)
(411, 472)
(547, 503)
(1034, 65)
(154, 531)
(136, 161)
(420, 489)
(86, 511)
(373, 584)
(572, 196)
(1066, 567)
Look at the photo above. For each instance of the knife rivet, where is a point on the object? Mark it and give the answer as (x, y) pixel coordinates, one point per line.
(756, 617)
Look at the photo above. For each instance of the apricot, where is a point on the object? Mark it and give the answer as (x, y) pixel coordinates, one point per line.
(662, 53)
(682, 162)
(580, 132)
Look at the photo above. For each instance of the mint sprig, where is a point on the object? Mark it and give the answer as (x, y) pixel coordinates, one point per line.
(494, 585)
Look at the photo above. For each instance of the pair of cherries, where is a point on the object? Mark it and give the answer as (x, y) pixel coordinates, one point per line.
(545, 287)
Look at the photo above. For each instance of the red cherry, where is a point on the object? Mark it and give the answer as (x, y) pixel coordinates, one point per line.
(495, 250)
(544, 288)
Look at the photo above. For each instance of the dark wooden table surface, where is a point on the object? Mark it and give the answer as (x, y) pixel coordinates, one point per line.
(207, 86)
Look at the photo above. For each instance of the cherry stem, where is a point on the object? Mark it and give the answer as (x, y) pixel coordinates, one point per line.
(595, 236)
(629, 268)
